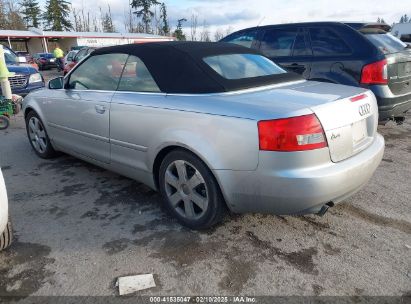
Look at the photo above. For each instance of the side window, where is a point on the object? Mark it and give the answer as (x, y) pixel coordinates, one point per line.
(325, 42)
(101, 72)
(80, 55)
(278, 42)
(244, 38)
(300, 46)
(136, 77)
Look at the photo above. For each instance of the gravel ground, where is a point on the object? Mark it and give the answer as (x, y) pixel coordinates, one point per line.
(79, 227)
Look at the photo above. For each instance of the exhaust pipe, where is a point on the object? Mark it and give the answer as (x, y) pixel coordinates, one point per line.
(325, 208)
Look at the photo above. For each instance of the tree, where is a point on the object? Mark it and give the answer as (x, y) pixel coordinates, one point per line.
(10, 18)
(405, 19)
(107, 21)
(165, 29)
(193, 27)
(144, 11)
(205, 33)
(178, 33)
(218, 35)
(57, 15)
(31, 12)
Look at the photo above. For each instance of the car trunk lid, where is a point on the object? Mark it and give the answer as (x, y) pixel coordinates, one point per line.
(399, 72)
(350, 124)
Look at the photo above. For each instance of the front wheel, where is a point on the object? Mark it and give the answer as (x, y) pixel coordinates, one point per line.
(4, 122)
(38, 137)
(189, 190)
(6, 237)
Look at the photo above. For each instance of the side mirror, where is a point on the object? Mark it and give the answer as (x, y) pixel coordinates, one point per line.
(56, 83)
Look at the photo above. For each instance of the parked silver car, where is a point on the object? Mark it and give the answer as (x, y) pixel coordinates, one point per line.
(211, 125)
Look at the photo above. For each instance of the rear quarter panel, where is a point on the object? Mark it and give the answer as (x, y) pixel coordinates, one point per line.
(148, 123)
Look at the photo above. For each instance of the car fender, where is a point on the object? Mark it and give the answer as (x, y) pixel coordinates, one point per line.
(31, 103)
(220, 147)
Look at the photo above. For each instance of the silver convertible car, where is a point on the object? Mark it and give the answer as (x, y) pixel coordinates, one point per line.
(211, 126)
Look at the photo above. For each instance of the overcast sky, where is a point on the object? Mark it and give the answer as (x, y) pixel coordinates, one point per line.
(238, 14)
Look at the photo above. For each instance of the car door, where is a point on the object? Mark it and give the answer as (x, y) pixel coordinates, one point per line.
(134, 114)
(79, 115)
(332, 56)
(287, 46)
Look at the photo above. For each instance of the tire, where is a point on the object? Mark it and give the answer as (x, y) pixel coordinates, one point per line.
(4, 122)
(6, 237)
(189, 191)
(38, 137)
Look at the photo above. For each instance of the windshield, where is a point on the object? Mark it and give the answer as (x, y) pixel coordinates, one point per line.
(240, 66)
(10, 56)
(387, 43)
(46, 55)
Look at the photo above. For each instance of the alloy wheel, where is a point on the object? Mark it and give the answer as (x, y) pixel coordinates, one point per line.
(37, 135)
(186, 189)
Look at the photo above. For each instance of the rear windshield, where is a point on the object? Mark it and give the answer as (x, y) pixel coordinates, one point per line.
(387, 43)
(240, 66)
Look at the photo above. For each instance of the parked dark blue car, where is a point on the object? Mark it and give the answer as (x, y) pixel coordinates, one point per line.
(355, 54)
(26, 78)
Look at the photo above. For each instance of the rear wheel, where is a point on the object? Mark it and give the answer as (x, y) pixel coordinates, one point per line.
(6, 237)
(4, 122)
(38, 137)
(190, 191)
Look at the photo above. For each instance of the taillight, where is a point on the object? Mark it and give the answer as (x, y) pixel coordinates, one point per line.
(291, 134)
(375, 73)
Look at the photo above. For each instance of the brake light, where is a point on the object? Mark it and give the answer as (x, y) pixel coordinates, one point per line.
(358, 97)
(375, 73)
(291, 134)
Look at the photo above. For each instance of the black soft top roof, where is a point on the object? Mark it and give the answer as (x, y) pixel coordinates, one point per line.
(178, 67)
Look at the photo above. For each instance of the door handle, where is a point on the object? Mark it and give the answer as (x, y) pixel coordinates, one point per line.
(100, 109)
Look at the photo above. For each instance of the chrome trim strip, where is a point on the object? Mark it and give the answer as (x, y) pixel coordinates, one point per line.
(128, 145)
(93, 136)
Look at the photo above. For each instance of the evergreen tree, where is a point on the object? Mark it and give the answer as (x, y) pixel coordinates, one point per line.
(405, 19)
(107, 22)
(178, 33)
(144, 11)
(57, 15)
(165, 29)
(31, 12)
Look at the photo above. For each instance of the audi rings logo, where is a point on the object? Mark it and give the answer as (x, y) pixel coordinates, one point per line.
(364, 109)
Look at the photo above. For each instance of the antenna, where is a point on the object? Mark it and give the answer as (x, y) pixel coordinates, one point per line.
(262, 19)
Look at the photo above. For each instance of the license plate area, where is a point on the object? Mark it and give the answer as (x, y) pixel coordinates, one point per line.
(359, 132)
(404, 69)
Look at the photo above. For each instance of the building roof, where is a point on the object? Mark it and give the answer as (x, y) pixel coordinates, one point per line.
(37, 33)
(178, 67)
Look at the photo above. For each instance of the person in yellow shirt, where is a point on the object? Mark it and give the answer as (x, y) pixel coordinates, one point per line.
(59, 55)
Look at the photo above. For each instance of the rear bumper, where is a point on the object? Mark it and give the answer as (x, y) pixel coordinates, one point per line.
(390, 105)
(287, 183)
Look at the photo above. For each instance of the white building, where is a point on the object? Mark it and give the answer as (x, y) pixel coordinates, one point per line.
(37, 41)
